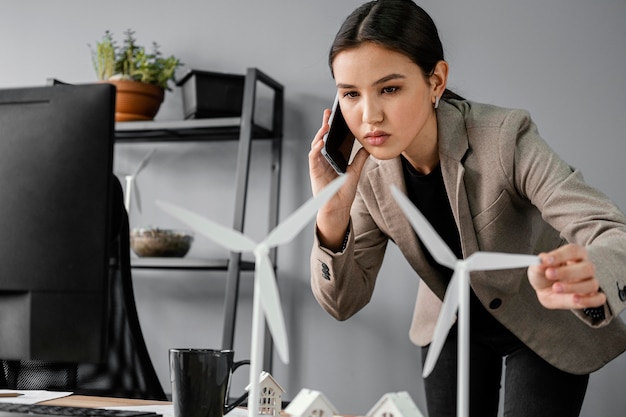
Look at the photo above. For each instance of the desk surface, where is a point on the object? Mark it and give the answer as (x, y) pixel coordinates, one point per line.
(99, 402)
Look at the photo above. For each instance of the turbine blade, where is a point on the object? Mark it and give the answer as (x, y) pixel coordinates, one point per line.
(228, 238)
(272, 308)
(128, 192)
(444, 321)
(433, 242)
(137, 195)
(485, 261)
(143, 162)
(293, 224)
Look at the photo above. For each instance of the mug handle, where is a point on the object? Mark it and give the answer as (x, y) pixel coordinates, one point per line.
(244, 396)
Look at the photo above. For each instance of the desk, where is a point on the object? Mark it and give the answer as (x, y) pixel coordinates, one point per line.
(99, 402)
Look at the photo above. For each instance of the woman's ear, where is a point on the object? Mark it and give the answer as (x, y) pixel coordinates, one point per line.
(439, 78)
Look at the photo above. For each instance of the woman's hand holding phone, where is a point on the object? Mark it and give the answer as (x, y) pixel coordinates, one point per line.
(334, 217)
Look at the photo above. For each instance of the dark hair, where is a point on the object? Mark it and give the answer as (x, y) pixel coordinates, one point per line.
(399, 25)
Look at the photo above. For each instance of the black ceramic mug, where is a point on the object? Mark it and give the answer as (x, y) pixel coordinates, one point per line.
(201, 380)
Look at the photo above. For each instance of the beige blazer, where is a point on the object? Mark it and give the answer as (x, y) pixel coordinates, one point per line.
(509, 192)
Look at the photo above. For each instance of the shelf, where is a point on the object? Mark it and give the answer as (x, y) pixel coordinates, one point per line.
(186, 130)
(187, 263)
(243, 129)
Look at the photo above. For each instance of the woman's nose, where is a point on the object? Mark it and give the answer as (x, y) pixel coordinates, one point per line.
(372, 112)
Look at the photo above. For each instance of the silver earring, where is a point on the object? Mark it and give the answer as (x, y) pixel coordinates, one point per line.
(436, 101)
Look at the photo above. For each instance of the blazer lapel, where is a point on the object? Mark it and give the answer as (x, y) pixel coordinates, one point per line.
(381, 179)
(453, 145)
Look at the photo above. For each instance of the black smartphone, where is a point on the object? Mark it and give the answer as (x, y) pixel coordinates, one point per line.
(338, 141)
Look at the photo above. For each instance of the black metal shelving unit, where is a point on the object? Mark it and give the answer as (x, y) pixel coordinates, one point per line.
(245, 130)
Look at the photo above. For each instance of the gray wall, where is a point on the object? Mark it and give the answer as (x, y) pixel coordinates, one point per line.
(563, 60)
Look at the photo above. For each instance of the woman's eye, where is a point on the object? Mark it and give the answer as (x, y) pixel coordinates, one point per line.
(389, 90)
(350, 94)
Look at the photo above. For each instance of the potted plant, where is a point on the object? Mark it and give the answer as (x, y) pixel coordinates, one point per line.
(140, 77)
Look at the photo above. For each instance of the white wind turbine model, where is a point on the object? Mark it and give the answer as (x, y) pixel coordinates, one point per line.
(457, 294)
(131, 186)
(266, 300)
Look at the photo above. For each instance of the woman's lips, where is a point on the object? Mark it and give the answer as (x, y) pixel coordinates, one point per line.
(376, 138)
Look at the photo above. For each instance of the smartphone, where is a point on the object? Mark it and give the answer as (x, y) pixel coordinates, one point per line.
(338, 141)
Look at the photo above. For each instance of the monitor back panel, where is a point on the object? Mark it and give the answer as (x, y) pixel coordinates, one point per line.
(56, 147)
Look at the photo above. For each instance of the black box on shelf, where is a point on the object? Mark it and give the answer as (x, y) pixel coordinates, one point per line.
(209, 94)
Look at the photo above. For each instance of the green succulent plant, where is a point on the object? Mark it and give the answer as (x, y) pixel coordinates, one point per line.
(132, 62)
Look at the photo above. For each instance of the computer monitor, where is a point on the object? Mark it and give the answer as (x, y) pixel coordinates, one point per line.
(56, 157)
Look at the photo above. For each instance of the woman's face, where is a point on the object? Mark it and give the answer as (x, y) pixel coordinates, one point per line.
(386, 102)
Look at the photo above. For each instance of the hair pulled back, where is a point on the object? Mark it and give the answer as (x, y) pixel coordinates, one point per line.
(399, 25)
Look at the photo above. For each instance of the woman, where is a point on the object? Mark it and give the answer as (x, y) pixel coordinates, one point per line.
(486, 181)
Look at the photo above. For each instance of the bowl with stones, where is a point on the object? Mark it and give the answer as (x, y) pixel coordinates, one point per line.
(157, 242)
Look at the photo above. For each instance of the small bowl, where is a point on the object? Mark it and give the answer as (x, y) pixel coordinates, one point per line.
(155, 242)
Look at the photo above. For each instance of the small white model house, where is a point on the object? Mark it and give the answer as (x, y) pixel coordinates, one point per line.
(270, 395)
(395, 404)
(310, 403)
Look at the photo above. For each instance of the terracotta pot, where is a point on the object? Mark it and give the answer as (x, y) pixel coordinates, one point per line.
(136, 100)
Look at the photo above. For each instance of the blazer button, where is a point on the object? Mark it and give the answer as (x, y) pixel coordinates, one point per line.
(325, 272)
(495, 303)
(621, 292)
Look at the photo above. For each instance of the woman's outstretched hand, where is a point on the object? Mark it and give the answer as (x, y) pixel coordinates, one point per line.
(565, 279)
